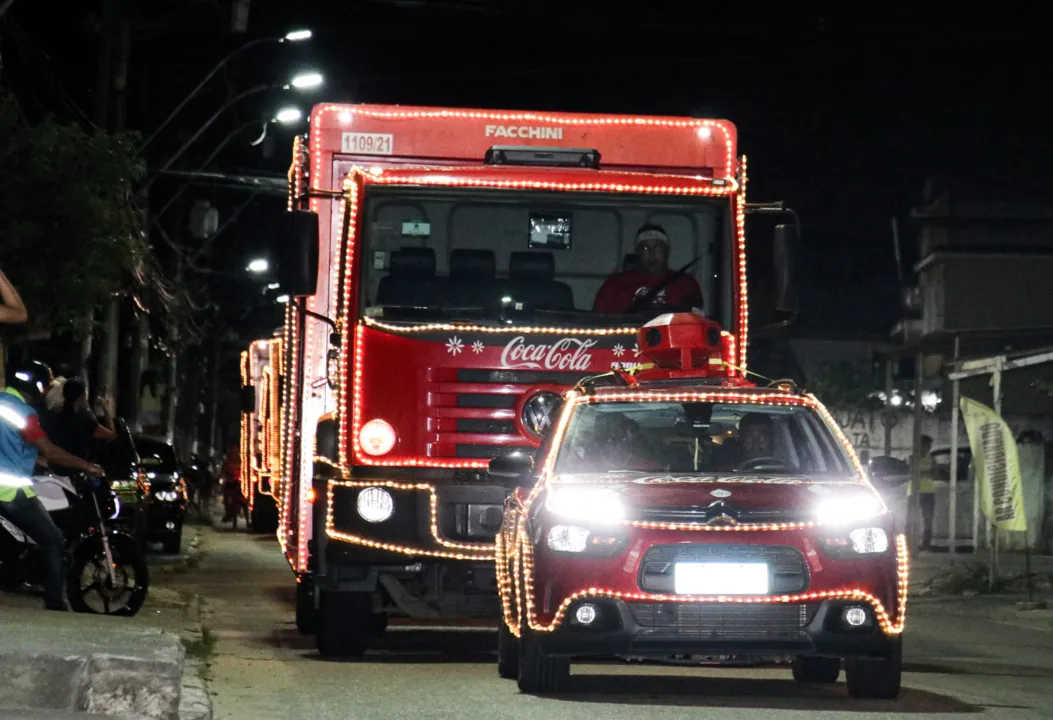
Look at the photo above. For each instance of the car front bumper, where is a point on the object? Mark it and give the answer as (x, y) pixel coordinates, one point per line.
(769, 630)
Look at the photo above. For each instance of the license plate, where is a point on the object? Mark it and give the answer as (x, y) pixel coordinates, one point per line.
(720, 579)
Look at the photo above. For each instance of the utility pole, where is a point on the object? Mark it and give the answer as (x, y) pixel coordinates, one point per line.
(106, 370)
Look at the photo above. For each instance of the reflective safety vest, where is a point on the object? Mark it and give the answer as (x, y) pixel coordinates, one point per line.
(16, 457)
(926, 481)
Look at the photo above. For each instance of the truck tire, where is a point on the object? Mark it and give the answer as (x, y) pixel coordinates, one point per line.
(306, 613)
(507, 653)
(540, 674)
(807, 669)
(344, 623)
(264, 513)
(875, 678)
(173, 543)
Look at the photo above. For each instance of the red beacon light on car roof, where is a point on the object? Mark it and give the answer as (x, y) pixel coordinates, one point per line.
(687, 345)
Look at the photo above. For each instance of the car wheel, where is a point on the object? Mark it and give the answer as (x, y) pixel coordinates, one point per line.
(306, 613)
(344, 623)
(539, 673)
(507, 653)
(816, 669)
(173, 544)
(877, 678)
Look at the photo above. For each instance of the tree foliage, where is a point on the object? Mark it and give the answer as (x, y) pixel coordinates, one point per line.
(70, 232)
(843, 385)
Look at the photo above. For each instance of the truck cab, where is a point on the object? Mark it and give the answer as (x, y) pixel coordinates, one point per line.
(444, 267)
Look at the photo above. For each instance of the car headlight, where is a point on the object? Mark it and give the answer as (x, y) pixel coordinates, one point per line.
(593, 505)
(592, 542)
(568, 538)
(849, 509)
(375, 504)
(861, 541)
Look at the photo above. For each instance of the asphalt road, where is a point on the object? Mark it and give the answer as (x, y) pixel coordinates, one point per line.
(959, 661)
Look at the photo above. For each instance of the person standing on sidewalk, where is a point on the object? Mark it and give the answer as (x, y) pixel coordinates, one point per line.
(926, 491)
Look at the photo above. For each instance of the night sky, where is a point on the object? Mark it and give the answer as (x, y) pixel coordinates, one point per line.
(843, 116)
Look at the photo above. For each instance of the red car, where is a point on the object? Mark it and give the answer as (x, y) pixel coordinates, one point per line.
(683, 511)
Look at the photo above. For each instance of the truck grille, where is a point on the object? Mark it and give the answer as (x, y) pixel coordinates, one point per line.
(788, 572)
(471, 412)
(718, 622)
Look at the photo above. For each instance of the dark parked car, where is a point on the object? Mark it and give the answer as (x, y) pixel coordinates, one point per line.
(165, 500)
(120, 459)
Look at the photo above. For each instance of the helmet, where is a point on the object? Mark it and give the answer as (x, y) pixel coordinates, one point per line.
(32, 379)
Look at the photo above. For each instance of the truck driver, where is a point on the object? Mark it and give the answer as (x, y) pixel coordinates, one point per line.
(653, 285)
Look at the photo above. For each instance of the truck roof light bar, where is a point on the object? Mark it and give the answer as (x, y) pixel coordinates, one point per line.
(542, 156)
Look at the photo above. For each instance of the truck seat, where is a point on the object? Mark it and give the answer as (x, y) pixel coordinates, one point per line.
(411, 279)
(531, 281)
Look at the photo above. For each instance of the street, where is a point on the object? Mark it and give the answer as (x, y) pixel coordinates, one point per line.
(958, 661)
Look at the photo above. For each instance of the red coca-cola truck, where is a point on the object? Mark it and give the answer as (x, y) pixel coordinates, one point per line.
(261, 370)
(443, 266)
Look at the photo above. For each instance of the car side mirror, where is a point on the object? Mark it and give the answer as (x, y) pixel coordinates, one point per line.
(297, 254)
(248, 399)
(514, 468)
(784, 257)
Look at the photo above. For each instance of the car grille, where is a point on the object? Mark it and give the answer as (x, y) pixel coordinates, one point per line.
(471, 413)
(720, 622)
(786, 565)
(703, 514)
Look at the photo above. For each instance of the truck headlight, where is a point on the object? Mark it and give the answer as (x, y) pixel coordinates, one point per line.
(375, 504)
(593, 505)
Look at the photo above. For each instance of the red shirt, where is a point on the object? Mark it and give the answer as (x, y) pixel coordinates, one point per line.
(618, 292)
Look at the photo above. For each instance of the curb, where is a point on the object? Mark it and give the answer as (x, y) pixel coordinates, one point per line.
(193, 553)
(194, 702)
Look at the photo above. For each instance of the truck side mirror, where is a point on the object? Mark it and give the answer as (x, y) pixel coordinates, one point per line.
(784, 256)
(247, 399)
(513, 468)
(297, 254)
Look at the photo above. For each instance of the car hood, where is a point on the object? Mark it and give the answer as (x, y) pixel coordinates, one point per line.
(732, 498)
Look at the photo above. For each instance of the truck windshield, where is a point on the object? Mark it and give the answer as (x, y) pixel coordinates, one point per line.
(474, 254)
(692, 437)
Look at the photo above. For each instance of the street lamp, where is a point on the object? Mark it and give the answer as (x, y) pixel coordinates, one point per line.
(298, 35)
(288, 115)
(258, 266)
(306, 81)
(302, 81)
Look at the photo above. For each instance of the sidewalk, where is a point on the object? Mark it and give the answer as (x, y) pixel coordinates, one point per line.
(928, 569)
(89, 663)
(58, 665)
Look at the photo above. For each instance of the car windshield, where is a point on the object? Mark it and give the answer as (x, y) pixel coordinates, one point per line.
(530, 256)
(707, 437)
(156, 456)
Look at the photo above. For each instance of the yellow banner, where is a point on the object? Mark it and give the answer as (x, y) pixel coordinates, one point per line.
(997, 468)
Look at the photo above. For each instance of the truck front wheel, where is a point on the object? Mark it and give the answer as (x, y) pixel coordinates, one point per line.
(306, 613)
(345, 621)
(507, 653)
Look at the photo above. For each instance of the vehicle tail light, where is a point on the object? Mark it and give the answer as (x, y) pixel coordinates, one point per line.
(377, 437)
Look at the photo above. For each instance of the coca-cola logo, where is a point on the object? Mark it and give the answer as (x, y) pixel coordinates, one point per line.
(564, 354)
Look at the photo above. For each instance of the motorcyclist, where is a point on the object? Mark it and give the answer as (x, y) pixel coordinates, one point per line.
(21, 440)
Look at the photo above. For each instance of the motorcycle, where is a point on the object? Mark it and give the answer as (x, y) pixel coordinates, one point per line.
(106, 568)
